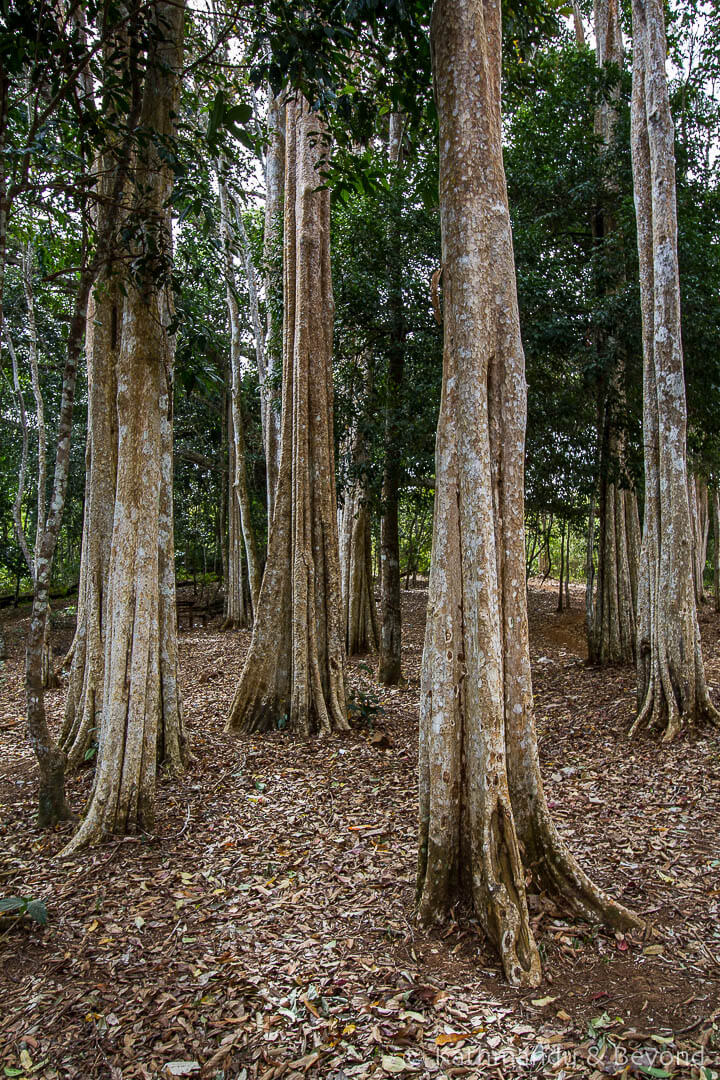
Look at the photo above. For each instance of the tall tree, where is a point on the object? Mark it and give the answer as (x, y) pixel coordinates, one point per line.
(83, 702)
(484, 821)
(294, 670)
(612, 631)
(272, 273)
(142, 718)
(672, 691)
(358, 594)
(230, 223)
(389, 659)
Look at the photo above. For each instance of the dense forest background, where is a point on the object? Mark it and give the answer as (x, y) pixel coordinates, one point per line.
(559, 173)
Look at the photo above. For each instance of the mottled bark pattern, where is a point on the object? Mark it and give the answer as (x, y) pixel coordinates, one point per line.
(715, 497)
(294, 671)
(700, 522)
(239, 487)
(238, 612)
(142, 719)
(83, 704)
(612, 628)
(389, 658)
(359, 615)
(671, 676)
(272, 272)
(484, 821)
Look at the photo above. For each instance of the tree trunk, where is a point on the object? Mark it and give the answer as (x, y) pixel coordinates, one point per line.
(240, 492)
(590, 571)
(700, 523)
(83, 704)
(358, 594)
(273, 273)
(294, 671)
(142, 719)
(359, 617)
(716, 545)
(671, 676)
(561, 574)
(52, 805)
(612, 634)
(389, 659)
(578, 27)
(482, 807)
(237, 615)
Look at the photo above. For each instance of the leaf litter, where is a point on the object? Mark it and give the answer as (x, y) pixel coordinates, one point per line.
(265, 928)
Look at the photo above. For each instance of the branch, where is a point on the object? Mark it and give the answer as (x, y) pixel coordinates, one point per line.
(17, 505)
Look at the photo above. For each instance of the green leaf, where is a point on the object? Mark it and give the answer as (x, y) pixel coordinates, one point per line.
(37, 911)
(13, 903)
(238, 114)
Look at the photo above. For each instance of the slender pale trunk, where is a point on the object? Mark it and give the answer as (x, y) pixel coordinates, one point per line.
(612, 633)
(273, 274)
(360, 619)
(578, 27)
(700, 521)
(390, 658)
(20, 534)
(561, 574)
(294, 670)
(238, 615)
(27, 263)
(240, 492)
(590, 570)
(484, 822)
(52, 805)
(672, 691)
(359, 613)
(716, 545)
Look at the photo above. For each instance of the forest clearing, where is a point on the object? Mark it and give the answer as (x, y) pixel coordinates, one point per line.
(267, 925)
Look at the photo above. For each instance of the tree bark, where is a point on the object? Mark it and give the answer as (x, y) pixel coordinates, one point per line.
(715, 496)
(484, 821)
(52, 805)
(561, 574)
(83, 704)
(612, 633)
(672, 691)
(294, 671)
(240, 491)
(359, 616)
(238, 615)
(142, 718)
(273, 274)
(390, 658)
(700, 522)
(358, 594)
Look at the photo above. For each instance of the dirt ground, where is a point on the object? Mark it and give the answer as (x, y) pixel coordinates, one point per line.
(265, 928)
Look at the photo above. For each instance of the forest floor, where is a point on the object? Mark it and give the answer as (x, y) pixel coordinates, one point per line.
(265, 929)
